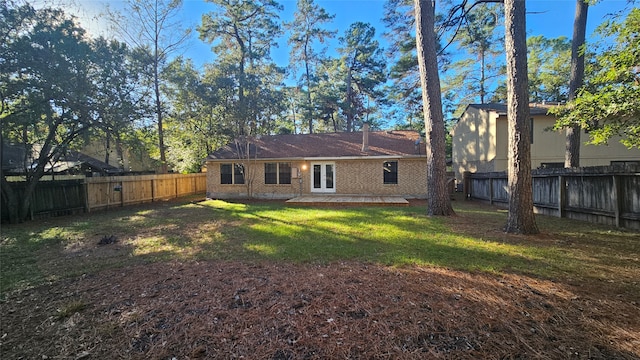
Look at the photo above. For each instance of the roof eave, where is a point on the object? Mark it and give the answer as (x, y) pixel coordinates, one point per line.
(327, 158)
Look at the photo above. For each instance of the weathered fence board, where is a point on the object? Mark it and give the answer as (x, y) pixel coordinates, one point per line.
(608, 195)
(51, 198)
(61, 197)
(58, 199)
(546, 190)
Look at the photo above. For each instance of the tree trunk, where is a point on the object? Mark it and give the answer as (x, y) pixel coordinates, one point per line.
(349, 102)
(163, 156)
(156, 84)
(18, 206)
(572, 149)
(242, 109)
(11, 199)
(439, 202)
(482, 76)
(309, 102)
(6, 191)
(293, 111)
(25, 201)
(107, 147)
(521, 219)
(120, 152)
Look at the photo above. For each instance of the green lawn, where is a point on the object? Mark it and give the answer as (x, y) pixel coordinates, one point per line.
(58, 248)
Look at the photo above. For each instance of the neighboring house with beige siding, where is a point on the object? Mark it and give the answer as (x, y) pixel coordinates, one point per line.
(480, 142)
(287, 166)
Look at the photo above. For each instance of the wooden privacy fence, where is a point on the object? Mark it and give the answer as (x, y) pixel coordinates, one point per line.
(62, 197)
(106, 192)
(51, 198)
(607, 194)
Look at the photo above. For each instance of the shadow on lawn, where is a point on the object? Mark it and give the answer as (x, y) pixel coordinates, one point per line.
(219, 230)
(327, 237)
(381, 235)
(571, 250)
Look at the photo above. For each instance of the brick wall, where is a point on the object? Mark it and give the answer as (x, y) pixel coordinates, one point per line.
(366, 177)
(260, 190)
(352, 177)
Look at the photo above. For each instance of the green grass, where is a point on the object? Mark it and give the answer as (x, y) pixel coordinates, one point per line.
(35, 252)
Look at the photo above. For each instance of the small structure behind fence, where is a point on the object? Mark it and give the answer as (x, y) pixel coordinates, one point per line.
(63, 197)
(604, 194)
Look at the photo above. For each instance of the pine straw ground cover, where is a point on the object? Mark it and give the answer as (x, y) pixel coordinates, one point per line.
(221, 280)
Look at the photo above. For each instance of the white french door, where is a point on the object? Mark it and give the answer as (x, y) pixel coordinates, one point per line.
(323, 176)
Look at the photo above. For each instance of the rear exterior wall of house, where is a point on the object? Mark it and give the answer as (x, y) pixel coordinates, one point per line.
(352, 177)
(367, 177)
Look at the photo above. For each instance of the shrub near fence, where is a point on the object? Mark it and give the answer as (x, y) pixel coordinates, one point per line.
(606, 194)
(62, 197)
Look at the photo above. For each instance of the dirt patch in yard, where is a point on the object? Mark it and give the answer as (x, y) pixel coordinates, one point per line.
(264, 310)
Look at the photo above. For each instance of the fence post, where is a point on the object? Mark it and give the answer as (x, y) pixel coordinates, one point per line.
(109, 192)
(85, 188)
(561, 195)
(491, 190)
(153, 188)
(466, 184)
(31, 204)
(616, 198)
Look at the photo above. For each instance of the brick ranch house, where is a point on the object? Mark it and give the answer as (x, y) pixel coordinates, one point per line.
(389, 163)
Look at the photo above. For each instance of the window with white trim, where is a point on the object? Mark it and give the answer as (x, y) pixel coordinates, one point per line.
(390, 172)
(232, 173)
(277, 173)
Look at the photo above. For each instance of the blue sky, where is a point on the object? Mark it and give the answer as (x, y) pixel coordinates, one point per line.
(546, 17)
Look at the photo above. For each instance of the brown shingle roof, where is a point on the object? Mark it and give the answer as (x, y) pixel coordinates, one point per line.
(329, 145)
(91, 162)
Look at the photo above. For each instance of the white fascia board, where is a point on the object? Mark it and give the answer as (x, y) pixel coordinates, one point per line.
(364, 157)
(327, 158)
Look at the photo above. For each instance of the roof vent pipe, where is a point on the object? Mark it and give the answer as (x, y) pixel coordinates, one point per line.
(365, 137)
